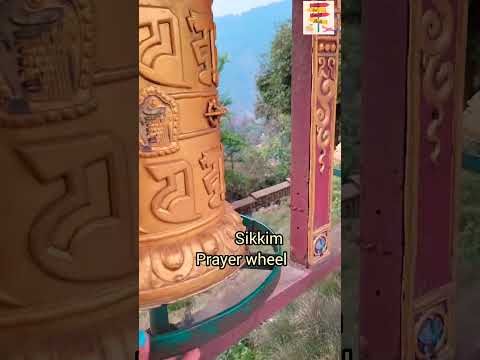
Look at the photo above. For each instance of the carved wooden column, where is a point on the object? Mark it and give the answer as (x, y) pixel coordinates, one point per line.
(182, 188)
(314, 99)
(326, 51)
(434, 158)
(410, 177)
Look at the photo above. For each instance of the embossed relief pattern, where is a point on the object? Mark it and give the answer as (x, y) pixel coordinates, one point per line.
(434, 87)
(212, 163)
(438, 71)
(182, 185)
(158, 123)
(69, 229)
(325, 59)
(62, 237)
(204, 46)
(326, 96)
(175, 202)
(46, 61)
(160, 47)
(166, 264)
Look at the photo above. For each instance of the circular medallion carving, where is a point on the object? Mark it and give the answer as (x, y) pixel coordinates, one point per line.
(431, 333)
(320, 246)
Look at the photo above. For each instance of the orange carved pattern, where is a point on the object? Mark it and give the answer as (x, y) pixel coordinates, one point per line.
(326, 96)
(207, 60)
(182, 208)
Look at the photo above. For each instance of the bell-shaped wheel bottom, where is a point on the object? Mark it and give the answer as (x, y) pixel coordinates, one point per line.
(168, 272)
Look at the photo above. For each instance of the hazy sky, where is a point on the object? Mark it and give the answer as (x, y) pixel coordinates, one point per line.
(229, 7)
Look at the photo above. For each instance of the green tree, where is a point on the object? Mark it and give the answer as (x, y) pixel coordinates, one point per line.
(235, 147)
(223, 60)
(274, 82)
(233, 144)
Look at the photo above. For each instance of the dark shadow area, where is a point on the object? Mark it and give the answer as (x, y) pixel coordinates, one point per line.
(468, 252)
(349, 123)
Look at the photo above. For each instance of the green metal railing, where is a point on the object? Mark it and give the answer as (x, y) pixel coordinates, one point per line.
(166, 342)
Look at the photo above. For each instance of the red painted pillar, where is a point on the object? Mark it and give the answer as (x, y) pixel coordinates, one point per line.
(315, 61)
(301, 105)
(411, 148)
(384, 90)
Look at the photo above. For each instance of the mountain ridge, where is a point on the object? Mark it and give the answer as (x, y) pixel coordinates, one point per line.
(246, 38)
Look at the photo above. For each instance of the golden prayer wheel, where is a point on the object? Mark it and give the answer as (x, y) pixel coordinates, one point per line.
(182, 207)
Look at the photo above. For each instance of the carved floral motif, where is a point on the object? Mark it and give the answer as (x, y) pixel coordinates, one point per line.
(435, 78)
(325, 58)
(438, 72)
(166, 264)
(326, 95)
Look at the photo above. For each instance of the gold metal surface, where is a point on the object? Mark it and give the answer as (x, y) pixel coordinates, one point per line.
(68, 254)
(182, 208)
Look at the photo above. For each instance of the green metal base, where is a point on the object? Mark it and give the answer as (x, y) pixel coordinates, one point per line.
(166, 343)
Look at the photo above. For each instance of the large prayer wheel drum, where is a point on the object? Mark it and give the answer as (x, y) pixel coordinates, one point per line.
(68, 243)
(182, 208)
